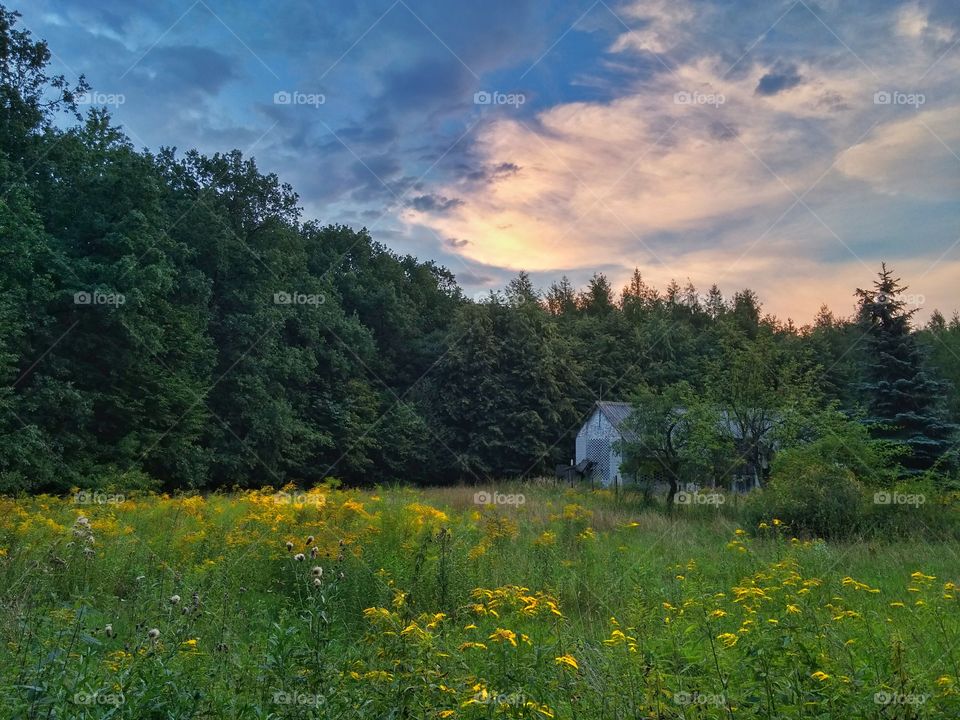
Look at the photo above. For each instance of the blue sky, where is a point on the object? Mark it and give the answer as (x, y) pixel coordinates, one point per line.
(788, 146)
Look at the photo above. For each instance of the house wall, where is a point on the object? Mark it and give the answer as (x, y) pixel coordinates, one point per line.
(595, 442)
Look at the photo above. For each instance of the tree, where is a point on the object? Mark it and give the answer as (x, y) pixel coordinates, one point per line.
(673, 434)
(904, 399)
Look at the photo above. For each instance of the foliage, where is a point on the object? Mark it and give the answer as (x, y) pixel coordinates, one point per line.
(400, 603)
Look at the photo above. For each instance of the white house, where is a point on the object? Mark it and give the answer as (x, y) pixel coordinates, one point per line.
(597, 440)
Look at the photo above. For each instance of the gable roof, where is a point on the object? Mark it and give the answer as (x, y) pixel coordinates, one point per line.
(615, 412)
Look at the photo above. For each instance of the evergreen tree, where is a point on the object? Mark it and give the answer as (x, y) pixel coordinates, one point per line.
(904, 399)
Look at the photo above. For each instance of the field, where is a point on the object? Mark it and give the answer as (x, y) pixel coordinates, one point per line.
(399, 603)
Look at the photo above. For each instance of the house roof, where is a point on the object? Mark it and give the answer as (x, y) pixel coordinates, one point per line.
(615, 412)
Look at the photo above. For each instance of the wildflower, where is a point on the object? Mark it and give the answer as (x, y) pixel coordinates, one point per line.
(474, 645)
(718, 613)
(944, 681)
(153, 634)
(317, 582)
(174, 599)
(728, 639)
(820, 675)
(897, 605)
(793, 609)
(299, 557)
(568, 660)
(318, 572)
(502, 635)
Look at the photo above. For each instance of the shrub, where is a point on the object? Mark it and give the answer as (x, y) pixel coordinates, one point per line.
(822, 500)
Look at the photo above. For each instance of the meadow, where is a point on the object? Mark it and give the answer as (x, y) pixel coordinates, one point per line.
(403, 603)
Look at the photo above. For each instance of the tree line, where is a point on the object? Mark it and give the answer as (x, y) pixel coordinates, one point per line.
(172, 318)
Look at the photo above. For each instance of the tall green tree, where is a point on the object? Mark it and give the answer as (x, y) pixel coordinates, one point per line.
(904, 399)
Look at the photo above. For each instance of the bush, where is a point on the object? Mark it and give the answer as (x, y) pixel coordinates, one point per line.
(820, 500)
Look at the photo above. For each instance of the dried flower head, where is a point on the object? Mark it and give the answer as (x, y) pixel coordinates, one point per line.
(299, 557)
(289, 546)
(108, 631)
(153, 633)
(317, 582)
(309, 540)
(174, 599)
(318, 572)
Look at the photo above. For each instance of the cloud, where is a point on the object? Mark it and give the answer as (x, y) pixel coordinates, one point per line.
(435, 203)
(781, 77)
(911, 157)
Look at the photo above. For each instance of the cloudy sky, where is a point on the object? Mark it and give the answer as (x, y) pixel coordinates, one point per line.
(787, 146)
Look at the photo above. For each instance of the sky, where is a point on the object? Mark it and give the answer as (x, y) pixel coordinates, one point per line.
(786, 146)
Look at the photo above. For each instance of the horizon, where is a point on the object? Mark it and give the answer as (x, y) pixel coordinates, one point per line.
(757, 146)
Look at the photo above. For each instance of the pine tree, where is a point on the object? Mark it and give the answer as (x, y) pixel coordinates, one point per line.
(903, 397)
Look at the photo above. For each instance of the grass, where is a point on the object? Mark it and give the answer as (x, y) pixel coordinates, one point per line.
(574, 604)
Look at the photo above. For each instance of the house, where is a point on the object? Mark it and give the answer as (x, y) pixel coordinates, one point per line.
(597, 444)
(596, 441)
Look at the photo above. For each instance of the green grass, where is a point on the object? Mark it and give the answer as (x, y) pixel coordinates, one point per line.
(431, 606)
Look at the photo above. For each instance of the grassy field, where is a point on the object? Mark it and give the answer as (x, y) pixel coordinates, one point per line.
(398, 603)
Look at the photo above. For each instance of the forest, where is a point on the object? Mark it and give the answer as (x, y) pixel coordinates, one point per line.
(171, 320)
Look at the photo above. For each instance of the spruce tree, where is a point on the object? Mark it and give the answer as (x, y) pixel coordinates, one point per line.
(903, 398)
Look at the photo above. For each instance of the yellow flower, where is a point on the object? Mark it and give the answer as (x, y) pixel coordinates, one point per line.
(820, 675)
(718, 613)
(728, 639)
(446, 713)
(474, 645)
(501, 635)
(793, 609)
(568, 660)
